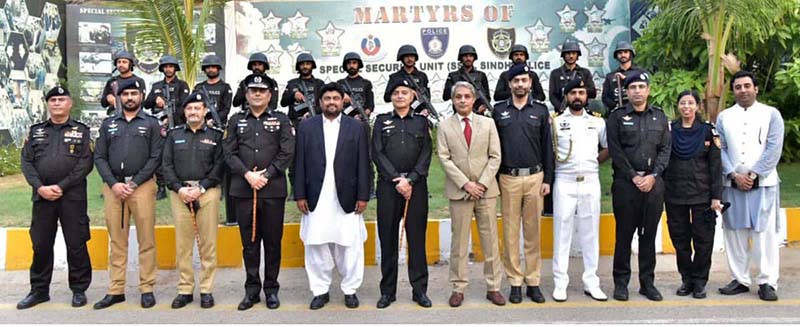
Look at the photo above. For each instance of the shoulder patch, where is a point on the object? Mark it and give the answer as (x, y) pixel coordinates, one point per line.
(597, 114)
(553, 115)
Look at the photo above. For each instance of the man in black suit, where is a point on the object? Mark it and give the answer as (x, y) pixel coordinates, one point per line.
(332, 196)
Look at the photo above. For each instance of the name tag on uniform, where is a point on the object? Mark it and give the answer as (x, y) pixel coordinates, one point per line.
(180, 141)
(627, 123)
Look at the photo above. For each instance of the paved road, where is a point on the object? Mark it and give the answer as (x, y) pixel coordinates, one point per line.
(743, 308)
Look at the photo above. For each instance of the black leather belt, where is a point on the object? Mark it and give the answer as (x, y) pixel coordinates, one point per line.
(123, 179)
(521, 171)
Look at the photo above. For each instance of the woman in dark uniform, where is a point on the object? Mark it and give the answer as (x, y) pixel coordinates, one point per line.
(693, 183)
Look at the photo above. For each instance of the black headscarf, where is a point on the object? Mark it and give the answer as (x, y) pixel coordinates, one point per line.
(688, 142)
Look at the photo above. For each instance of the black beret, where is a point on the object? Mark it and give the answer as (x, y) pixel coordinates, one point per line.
(130, 83)
(636, 76)
(574, 84)
(56, 91)
(398, 82)
(194, 97)
(518, 69)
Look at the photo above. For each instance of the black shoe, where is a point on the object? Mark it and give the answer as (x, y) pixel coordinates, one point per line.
(516, 294)
(162, 193)
(620, 293)
(767, 293)
(319, 301)
(685, 289)
(733, 288)
(422, 300)
(351, 301)
(699, 291)
(248, 302)
(651, 293)
(109, 300)
(148, 300)
(535, 294)
(272, 301)
(32, 299)
(206, 300)
(182, 300)
(78, 299)
(386, 300)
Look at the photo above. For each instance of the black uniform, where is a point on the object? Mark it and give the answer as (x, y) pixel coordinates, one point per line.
(460, 75)
(610, 91)
(693, 177)
(311, 86)
(109, 89)
(361, 89)
(639, 144)
(401, 146)
(502, 91)
(178, 91)
(59, 155)
(128, 148)
(239, 99)
(219, 94)
(251, 143)
(525, 138)
(559, 78)
(193, 156)
(418, 76)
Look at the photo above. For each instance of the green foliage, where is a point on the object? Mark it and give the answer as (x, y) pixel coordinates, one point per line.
(667, 84)
(9, 159)
(791, 141)
(785, 93)
(659, 49)
(74, 82)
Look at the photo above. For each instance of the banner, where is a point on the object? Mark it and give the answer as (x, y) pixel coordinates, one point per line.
(376, 29)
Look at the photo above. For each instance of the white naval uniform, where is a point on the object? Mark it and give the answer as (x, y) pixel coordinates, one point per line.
(332, 237)
(576, 194)
(752, 140)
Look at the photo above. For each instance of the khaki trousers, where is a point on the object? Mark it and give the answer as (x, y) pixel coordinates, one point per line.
(206, 217)
(485, 212)
(142, 205)
(521, 202)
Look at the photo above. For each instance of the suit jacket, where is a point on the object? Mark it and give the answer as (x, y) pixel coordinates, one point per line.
(478, 163)
(351, 164)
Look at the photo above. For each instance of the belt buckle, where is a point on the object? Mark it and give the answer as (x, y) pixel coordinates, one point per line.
(579, 179)
(523, 171)
(192, 183)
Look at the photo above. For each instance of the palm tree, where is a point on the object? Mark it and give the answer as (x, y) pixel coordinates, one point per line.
(171, 27)
(725, 26)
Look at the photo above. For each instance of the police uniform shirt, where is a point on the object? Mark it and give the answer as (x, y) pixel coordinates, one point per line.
(58, 154)
(262, 142)
(193, 156)
(221, 95)
(419, 77)
(178, 91)
(638, 142)
(610, 91)
(699, 178)
(128, 148)
(239, 99)
(459, 75)
(311, 85)
(559, 78)
(525, 136)
(502, 91)
(401, 145)
(108, 89)
(577, 139)
(362, 92)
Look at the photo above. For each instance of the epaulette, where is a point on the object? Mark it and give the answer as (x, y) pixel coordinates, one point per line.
(213, 128)
(553, 115)
(657, 108)
(37, 124)
(615, 109)
(80, 123)
(278, 113)
(383, 114)
(596, 114)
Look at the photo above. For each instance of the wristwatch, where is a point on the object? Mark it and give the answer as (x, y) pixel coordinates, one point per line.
(202, 189)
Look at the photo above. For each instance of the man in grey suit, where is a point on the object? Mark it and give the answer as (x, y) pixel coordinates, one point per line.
(469, 150)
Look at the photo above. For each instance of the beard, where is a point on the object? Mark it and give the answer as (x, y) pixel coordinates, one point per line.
(352, 71)
(576, 105)
(212, 74)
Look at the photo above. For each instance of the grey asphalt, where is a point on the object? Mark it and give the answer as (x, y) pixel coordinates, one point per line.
(295, 297)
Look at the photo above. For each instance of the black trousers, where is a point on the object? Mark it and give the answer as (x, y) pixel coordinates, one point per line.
(75, 227)
(635, 210)
(390, 213)
(230, 212)
(269, 232)
(689, 228)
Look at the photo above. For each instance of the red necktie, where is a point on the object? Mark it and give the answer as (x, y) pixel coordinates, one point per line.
(467, 131)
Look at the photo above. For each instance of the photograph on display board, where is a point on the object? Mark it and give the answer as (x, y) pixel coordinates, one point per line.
(92, 90)
(95, 62)
(94, 33)
(51, 22)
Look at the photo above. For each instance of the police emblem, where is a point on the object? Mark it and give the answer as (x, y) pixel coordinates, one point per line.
(567, 19)
(501, 40)
(435, 40)
(329, 43)
(271, 29)
(540, 37)
(596, 49)
(371, 48)
(595, 22)
(274, 58)
(298, 26)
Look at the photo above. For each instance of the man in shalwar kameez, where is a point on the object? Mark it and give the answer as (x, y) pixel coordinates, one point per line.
(751, 134)
(332, 176)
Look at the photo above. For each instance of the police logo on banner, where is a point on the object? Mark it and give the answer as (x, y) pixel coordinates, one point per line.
(329, 43)
(298, 26)
(595, 23)
(567, 19)
(596, 50)
(271, 24)
(540, 37)
(274, 57)
(371, 48)
(434, 41)
(501, 40)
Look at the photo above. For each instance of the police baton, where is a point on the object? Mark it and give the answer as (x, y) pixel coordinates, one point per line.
(194, 224)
